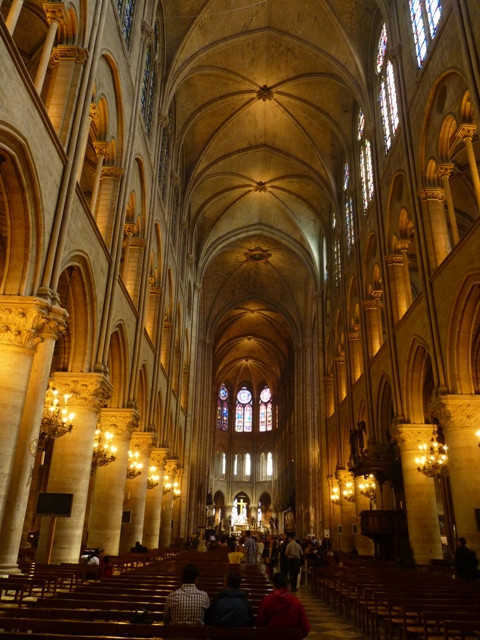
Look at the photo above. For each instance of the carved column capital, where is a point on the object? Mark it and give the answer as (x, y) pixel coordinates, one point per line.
(91, 390)
(158, 456)
(456, 412)
(112, 172)
(143, 441)
(445, 169)
(466, 131)
(119, 421)
(409, 436)
(23, 320)
(432, 193)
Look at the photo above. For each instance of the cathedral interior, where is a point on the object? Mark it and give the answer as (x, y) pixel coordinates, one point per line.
(239, 274)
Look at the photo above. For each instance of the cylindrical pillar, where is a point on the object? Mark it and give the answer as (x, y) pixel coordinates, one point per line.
(136, 492)
(71, 464)
(56, 16)
(13, 15)
(420, 497)
(153, 505)
(104, 527)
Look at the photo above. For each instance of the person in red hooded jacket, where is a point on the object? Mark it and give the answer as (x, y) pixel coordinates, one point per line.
(281, 609)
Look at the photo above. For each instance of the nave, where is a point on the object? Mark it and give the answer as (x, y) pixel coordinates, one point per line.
(351, 601)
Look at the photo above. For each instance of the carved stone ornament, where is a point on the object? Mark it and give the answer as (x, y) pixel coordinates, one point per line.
(432, 193)
(112, 172)
(456, 412)
(91, 390)
(409, 436)
(23, 320)
(265, 93)
(119, 421)
(68, 52)
(143, 441)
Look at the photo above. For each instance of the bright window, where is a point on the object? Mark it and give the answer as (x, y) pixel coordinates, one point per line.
(425, 16)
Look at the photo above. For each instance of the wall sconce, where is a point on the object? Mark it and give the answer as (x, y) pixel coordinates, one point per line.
(153, 478)
(433, 461)
(134, 468)
(478, 436)
(349, 492)
(103, 450)
(56, 421)
(167, 485)
(335, 496)
(369, 487)
(176, 490)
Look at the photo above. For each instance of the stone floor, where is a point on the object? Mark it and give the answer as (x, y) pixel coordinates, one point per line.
(326, 624)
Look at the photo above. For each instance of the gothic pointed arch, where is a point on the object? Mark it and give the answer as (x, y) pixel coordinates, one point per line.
(20, 207)
(117, 366)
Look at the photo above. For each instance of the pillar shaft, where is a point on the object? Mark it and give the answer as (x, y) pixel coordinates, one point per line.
(104, 527)
(70, 469)
(420, 497)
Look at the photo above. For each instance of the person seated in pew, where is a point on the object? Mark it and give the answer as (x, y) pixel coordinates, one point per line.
(235, 555)
(230, 607)
(138, 548)
(188, 604)
(282, 610)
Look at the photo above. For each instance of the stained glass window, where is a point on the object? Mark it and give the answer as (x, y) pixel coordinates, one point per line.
(387, 94)
(248, 465)
(337, 262)
(349, 224)
(126, 9)
(265, 412)
(346, 176)
(269, 465)
(244, 411)
(164, 156)
(366, 167)
(222, 409)
(425, 16)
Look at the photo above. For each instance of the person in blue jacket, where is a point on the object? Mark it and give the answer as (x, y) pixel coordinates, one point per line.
(230, 607)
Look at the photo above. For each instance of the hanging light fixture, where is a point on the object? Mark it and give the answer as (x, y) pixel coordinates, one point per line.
(368, 488)
(134, 468)
(153, 478)
(335, 496)
(56, 420)
(433, 459)
(176, 490)
(103, 450)
(349, 492)
(167, 485)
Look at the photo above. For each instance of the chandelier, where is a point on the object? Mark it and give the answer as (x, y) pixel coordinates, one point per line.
(153, 478)
(368, 488)
(349, 493)
(134, 468)
(56, 420)
(335, 496)
(103, 450)
(433, 459)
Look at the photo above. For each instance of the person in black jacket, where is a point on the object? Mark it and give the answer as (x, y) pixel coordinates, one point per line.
(230, 607)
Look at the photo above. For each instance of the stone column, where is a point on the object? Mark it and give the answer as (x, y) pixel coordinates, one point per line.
(365, 546)
(444, 171)
(398, 284)
(465, 133)
(22, 321)
(348, 516)
(13, 15)
(420, 497)
(432, 201)
(101, 149)
(176, 507)
(355, 353)
(171, 465)
(341, 377)
(66, 64)
(71, 464)
(459, 418)
(24, 458)
(153, 505)
(107, 200)
(373, 321)
(56, 16)
(109, 493)
(136, 491)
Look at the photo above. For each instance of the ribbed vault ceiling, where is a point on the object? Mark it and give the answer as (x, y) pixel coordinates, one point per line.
(265, 96)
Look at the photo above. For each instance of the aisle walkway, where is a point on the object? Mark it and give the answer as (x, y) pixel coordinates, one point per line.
(325, 623)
